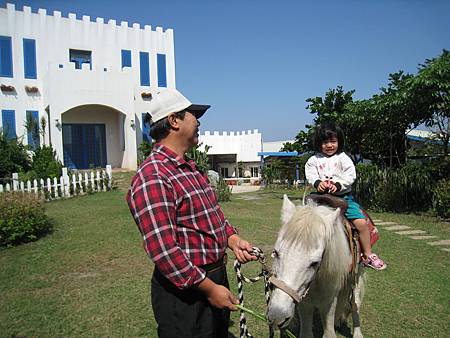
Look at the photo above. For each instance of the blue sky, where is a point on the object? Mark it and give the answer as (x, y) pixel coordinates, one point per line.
(256, 62)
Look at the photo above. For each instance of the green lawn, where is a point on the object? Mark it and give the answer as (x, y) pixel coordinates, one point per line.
(90, 277)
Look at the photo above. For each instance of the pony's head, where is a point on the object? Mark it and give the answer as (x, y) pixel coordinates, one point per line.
(298, 254)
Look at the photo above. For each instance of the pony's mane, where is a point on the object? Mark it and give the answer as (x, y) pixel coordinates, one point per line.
(311, 223)
(306, 225)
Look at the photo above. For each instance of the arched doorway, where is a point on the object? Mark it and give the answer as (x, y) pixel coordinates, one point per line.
(93, 136)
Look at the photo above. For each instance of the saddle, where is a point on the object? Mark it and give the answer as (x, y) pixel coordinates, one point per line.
(352, 234)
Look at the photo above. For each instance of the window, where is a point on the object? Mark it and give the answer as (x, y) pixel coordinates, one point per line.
(145, 129)
(6, 63)
(29, 58)
(145, 69)
(79, 57)
(162, 78)
(224, 172)
(32, 126)
(255, 171)
(9, 123)
(126, 58)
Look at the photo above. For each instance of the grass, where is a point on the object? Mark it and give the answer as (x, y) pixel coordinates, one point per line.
(90, 277)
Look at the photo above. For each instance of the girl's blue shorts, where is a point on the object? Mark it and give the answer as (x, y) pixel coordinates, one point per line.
(353, 210)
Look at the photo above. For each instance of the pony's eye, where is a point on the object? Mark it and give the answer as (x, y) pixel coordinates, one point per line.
(275, 254)
(314, 265)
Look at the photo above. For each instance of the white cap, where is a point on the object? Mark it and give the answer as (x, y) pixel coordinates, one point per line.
(168, 101)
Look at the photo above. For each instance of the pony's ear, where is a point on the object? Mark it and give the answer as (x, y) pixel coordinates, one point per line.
(287, 210)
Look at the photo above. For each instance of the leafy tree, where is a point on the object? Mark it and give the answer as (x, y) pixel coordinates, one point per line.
(145, 149)
(13, 156)
(200, 157)
(45, 164)
(431, 87)
(333, 106)
(271, 172)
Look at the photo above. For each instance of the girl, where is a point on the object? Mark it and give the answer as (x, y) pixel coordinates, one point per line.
(332, 171)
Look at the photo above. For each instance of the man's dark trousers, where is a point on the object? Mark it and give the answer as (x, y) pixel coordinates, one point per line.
(187, 313)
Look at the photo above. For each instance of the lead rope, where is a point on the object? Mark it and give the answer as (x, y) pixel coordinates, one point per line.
(265, 274)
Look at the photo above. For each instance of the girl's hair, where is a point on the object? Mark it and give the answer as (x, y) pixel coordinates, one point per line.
(324, 132)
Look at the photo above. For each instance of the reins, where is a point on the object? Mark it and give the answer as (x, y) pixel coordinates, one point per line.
(265, 274)
(269, 281)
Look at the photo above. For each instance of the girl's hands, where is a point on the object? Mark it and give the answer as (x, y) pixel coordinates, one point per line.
(326, 187)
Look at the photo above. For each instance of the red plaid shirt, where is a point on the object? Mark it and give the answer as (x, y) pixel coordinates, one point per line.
(177, 213)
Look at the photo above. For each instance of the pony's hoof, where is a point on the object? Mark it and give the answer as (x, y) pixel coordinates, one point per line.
(357, 333)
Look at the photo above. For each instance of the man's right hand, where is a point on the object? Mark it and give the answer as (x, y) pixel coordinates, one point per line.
(218, 295)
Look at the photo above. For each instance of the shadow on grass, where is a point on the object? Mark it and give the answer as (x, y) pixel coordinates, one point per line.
(343, 330)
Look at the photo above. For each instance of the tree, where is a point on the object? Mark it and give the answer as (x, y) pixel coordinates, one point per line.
(337, 105)
(200, 157)
(376, 128)
(431, 87)
(13, 156)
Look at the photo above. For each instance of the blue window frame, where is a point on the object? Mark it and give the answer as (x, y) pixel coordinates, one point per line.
(144, 68)
(126, 58)
(29, 58)
(145, 130)
(162, 77)
(9, 124)
(79, 57)
(6, 61)
(33, 128)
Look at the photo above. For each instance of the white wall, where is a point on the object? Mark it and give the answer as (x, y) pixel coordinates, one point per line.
(245, 144)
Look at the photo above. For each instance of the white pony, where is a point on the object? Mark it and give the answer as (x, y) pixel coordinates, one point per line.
(312, 257)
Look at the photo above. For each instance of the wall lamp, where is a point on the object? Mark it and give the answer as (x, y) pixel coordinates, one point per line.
(132, 125)
(58, 124)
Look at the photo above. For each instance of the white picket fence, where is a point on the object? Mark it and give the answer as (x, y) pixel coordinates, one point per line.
(64, 187)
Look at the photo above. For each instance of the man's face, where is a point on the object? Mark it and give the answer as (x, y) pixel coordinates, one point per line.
(189, 128)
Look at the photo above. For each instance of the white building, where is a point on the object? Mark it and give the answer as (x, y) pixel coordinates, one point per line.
(90, 80)
(233, 154)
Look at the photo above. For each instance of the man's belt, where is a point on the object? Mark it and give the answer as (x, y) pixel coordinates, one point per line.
(216, 265)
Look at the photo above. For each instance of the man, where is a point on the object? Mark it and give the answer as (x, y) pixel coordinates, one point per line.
(184, 230)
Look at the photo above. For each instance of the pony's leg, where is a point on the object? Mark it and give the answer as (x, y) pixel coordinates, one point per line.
(306, 320)
(355, 312)
(327, 314)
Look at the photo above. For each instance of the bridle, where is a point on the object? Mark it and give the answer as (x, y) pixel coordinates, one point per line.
(280, 284)
(270, 281)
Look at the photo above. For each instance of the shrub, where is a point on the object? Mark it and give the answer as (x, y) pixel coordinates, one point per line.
(223, 191)
(22, 218)
(144, 149)
(441, 198)
(45, 164)
(13, 156)
(200, 157)
(405, 189)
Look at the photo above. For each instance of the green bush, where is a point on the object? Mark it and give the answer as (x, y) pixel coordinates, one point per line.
(441, 198)
(409, 188)
(144, 150)
(200, 157)
(45, 164)
(13, 156)
(22, 218)
(223, 191)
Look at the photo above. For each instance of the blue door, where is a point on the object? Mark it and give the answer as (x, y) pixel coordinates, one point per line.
(84, 145)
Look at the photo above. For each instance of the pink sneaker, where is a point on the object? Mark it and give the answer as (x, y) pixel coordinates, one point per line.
(375, 262)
